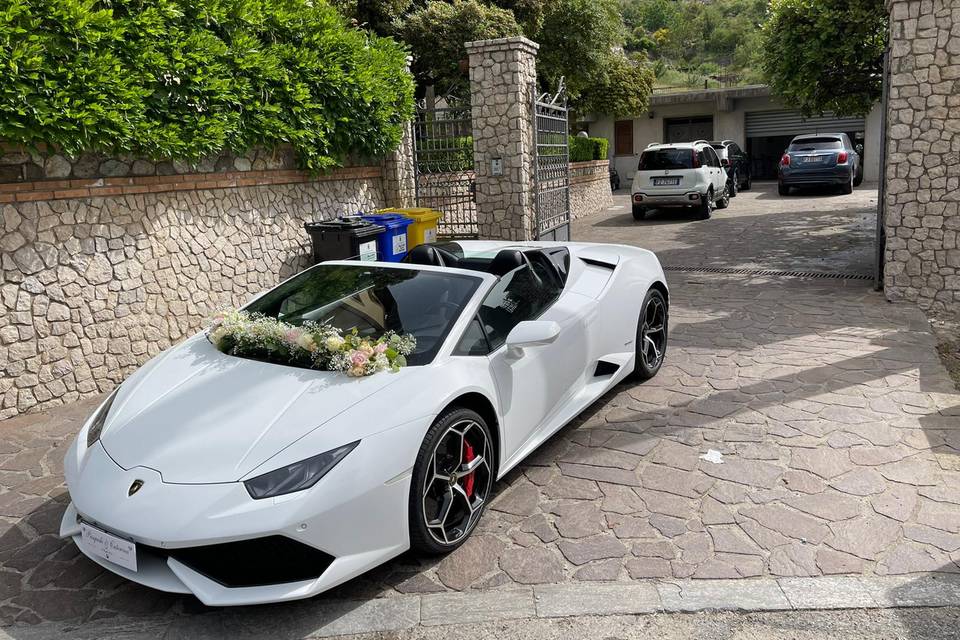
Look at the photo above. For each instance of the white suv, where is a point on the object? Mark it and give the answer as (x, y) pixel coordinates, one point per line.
(684, 174)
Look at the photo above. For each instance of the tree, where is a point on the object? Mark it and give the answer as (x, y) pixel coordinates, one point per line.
(577, 39)
(825, 55)
(622, 89)
(437, 32)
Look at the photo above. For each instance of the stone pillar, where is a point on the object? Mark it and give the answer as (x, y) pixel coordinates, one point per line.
(399, 186)
(399, 189)
(503, 75)
(922, 195)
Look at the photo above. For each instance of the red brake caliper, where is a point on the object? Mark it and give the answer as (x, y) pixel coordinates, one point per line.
(468, 479)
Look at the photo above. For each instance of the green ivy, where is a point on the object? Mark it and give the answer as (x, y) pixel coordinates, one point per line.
(184, 79)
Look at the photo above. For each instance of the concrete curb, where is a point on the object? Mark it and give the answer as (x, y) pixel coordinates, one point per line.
(330, 618)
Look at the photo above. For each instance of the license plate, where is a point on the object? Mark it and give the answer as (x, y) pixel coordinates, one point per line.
(658, 182)
(808, 159)
(109, 547)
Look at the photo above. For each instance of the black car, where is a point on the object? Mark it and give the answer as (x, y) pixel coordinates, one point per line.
(614, 179)
(820, 159)
(737, 163)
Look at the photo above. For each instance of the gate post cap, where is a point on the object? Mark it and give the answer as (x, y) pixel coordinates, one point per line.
(512, 43)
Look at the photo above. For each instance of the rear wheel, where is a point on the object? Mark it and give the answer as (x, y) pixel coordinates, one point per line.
(724, 201)
(639, 212)
(847, 187)
(858, 177)
(783, 189)
(452, 479)
(651, 342)
(706, 205)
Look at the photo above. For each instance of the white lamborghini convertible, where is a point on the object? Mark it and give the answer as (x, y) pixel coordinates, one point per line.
(242, 481)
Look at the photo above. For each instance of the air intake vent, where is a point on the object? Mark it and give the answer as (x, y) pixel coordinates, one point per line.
(254, 563)
(605, 368)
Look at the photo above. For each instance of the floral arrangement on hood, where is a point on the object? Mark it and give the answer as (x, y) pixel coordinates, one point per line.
(310, 345)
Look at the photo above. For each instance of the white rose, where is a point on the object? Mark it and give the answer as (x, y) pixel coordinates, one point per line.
(333, 343)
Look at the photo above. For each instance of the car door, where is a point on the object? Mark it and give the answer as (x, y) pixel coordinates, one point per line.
(718, 176)
(534, 385)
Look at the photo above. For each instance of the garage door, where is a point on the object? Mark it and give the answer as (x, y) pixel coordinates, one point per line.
(792, 123)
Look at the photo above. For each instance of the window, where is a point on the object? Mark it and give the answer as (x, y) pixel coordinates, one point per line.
(474, 341)
(815, 144)
(667, 158)
(712, 158)
(522, 294)
(623, 138)
(374, 300)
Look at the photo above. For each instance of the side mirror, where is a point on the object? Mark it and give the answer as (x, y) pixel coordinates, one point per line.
(725, 162)
(532, 333)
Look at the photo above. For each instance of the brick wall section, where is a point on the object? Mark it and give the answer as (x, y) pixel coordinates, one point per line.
(589, 188)
(922, 198)
(99, 274)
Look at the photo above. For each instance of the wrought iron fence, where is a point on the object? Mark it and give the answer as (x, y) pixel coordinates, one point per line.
(552, 166)
(443, 161)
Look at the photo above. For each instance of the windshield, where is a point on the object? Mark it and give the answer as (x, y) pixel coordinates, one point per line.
(815, 144)
(374, 300)
(658, 159)
(721, 150)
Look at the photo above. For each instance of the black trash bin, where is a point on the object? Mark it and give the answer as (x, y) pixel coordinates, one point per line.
(344, 239)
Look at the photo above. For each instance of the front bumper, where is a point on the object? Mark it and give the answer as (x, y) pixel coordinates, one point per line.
(343, 526)
(681, 199)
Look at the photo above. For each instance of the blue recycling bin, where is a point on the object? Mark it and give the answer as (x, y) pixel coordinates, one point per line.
(392, 243)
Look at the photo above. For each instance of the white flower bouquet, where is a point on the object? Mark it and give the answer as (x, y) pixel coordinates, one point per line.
(310, 345)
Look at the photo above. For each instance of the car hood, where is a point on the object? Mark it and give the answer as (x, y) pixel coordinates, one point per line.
(199, 416)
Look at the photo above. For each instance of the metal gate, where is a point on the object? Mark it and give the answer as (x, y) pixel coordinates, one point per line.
(444, 174)
(551, 166)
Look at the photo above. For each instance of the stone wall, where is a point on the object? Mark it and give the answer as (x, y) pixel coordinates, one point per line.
(503, 75)
(589, 188)
(99, 273)
(922, 198)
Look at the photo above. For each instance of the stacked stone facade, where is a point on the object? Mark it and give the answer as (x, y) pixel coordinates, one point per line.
(98, 274)
(589, 188)
(922, 198)
(503, 77)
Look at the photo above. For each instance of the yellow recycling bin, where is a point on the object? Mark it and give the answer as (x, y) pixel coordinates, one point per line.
(424, 227)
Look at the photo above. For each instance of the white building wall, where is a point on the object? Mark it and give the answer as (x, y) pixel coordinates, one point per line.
(727, 125)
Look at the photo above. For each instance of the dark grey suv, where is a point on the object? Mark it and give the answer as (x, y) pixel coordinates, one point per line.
(820, 159)
(736, 162)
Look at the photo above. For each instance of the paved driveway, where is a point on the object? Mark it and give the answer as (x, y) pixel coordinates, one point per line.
(799, 427)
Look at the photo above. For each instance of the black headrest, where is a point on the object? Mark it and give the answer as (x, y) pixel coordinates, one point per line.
(506, 261)
(425, 254)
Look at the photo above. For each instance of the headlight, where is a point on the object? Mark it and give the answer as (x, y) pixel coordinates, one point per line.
(96, 426)
(297, 476)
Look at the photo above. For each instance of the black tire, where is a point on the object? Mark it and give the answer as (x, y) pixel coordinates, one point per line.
(724, 201)
(706, 205)
(639, 212)
(423, 538)
(746, 185)
(645, 367)
(734, 185)
(858, 177)
(847, 187)
(783, 189)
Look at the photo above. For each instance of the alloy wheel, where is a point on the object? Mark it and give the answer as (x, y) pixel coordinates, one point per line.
(458, 482)
(653, 333)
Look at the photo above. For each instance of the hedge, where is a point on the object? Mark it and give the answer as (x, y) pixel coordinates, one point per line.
(183, 79)
(583, 149)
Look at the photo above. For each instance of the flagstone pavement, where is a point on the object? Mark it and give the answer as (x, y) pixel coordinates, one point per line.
(797, 428)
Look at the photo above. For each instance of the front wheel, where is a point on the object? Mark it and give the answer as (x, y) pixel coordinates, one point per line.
(733, 185)
(746, 185)
(651, 341)
(452, 479)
